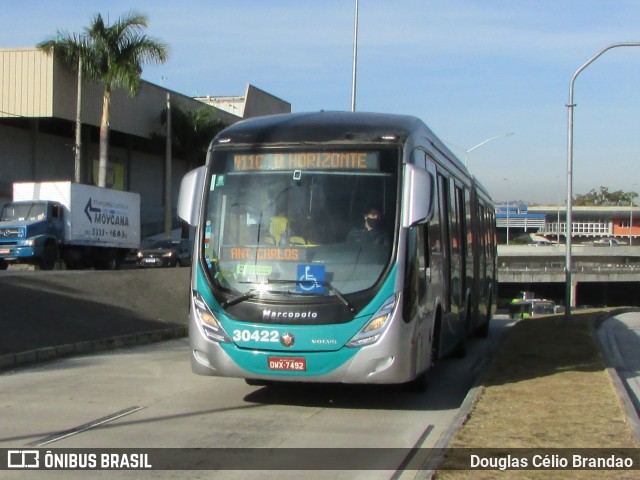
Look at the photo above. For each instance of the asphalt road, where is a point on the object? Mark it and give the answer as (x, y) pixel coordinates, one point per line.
(620, 340)
(147, 397)
(70, 403)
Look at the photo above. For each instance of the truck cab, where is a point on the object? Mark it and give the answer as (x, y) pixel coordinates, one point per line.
(30, 232)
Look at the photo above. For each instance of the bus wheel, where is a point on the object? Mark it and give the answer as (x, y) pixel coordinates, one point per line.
(483, 331)
(460, 351)
(420, 384)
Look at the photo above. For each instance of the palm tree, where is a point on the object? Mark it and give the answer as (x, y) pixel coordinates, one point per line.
(111, 54)
(192, 132)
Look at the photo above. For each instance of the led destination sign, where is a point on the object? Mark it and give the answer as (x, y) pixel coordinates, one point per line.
(290, 254)
(307, 161)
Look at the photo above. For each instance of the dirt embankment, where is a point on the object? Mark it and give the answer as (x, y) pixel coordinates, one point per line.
(45, 309)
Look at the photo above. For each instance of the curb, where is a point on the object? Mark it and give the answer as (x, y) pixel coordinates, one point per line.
(14, 360)
(430, 466)
(628, 399)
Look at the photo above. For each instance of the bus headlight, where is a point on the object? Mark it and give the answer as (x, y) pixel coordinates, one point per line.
(208, 321)
(374, 329)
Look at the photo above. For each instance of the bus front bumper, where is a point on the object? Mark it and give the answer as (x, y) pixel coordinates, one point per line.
(385, 362)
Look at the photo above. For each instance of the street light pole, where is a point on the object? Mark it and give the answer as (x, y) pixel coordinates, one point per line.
(355, 60)
(631, 222)
(569, 288)
(466, 152)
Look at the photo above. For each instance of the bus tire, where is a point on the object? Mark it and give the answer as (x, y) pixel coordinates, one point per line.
(460, 350)
(420, 384)
(483, 331)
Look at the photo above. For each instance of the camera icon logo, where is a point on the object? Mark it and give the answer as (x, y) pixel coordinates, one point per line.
(23, 459)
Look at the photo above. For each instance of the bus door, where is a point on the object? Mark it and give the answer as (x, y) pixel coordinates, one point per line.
(422, 271)
(458, 252)
(443, 202)
(447, 332)
(481, 260)
(417, 301)
(450, 231)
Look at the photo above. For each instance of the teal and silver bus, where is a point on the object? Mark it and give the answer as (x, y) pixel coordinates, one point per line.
(289, 283)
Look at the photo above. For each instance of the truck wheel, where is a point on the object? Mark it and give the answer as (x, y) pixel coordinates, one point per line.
(49, 257)
(107, 260)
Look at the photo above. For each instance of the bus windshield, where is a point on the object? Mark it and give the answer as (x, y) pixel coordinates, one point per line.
(304, 222)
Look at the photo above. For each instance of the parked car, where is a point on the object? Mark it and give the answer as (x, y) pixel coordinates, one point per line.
(606, 242)
(531, 308)
(166, 253)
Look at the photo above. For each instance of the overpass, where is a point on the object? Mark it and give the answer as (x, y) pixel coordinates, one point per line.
(600, 273)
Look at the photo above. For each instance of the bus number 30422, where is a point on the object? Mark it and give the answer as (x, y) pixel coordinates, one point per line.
(256, 335)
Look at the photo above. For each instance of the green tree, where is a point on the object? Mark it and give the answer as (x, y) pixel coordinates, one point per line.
(113, 55)
(604, 198)
(192, 132)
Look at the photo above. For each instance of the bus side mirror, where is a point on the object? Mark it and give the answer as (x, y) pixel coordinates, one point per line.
(417, 196)
(190, 194)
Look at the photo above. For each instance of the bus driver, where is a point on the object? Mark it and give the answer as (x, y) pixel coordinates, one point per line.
(370, 232)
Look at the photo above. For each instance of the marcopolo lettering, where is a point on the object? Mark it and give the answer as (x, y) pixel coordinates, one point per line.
(274, 315)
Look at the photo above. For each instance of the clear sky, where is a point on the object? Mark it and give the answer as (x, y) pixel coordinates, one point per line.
(471, 69)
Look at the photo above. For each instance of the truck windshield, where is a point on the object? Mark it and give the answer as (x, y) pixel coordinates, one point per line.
(23, 211)
(313, 222)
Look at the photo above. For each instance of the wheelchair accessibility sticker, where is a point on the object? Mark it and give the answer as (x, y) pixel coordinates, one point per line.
(310, 279)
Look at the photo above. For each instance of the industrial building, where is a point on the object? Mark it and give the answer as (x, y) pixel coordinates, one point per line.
(589, 224)
(38, 98)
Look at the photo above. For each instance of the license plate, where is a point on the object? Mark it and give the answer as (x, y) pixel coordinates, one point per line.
(4, 251)
(288, 364)
(149, 260)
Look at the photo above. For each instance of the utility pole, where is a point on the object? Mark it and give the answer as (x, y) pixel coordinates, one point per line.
(167, 173)
(77, 175)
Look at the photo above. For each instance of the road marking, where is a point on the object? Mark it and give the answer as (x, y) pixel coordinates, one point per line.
(83, 428)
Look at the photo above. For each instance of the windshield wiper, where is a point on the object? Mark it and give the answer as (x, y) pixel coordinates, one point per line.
(324, 283)
(253, 292)
(250, 294)
(239, 298)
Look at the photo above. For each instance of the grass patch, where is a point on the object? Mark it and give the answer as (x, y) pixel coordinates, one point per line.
(547, 387)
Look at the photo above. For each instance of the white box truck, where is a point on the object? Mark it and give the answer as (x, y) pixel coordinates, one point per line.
(82, 225)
